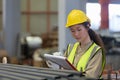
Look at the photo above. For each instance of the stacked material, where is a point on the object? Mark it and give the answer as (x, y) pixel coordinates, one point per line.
(22, 72)
(50, 40)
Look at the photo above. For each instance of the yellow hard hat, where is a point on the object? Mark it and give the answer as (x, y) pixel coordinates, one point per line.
(76, 17)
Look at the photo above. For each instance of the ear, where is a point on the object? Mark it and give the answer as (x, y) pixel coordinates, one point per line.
(88, 25)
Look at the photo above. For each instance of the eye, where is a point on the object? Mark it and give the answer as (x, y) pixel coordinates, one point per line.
(72, 30)
(79, 29)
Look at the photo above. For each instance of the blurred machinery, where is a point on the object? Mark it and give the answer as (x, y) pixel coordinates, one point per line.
(112, 46)
(33, 45)
(29, 45)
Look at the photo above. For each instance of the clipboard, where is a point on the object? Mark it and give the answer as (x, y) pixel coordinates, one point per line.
(60, 60)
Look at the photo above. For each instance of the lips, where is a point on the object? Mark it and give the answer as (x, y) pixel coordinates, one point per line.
(77, 38)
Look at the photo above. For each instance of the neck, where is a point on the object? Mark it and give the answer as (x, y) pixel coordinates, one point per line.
(85, 42)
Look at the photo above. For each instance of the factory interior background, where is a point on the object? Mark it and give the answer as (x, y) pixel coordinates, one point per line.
(31, 28)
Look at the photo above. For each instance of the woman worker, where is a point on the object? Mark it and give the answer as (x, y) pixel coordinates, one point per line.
(87, 54)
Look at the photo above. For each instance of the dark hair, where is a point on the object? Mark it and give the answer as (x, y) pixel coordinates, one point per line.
(94, 36)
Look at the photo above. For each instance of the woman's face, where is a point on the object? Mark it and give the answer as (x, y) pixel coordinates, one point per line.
(79, 32)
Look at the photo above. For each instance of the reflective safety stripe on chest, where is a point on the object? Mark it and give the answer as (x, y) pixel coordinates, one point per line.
(85, 57)
(72, 52)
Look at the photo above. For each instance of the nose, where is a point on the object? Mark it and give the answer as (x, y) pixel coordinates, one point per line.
(76, 33)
